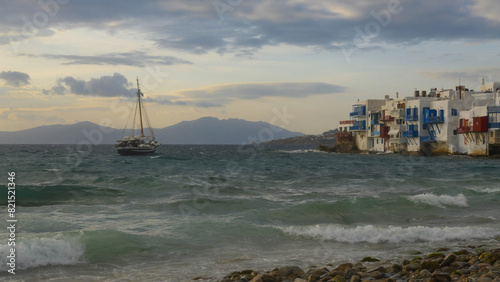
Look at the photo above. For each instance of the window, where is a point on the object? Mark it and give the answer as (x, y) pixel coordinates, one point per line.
(454, 112)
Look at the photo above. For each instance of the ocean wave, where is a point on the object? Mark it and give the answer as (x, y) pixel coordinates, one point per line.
(300, 151)
(55, 194)
(440, 201)
(484, 190)
(44, 251)
(390, 234)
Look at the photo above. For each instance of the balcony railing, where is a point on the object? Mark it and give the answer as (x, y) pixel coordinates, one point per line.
(386, 118)
(358, 111)
(464, 129)
(494, 125)
(410, 133)
(411, 117)
(437, 119)
(397, 112)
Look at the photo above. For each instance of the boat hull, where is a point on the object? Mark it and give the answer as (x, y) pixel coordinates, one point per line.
(135, 151)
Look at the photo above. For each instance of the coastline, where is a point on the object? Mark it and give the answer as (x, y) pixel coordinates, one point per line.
(475, 264)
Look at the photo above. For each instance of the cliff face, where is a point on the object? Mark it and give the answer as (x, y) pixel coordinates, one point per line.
(344, 146)
(327, 138)
(344, 143)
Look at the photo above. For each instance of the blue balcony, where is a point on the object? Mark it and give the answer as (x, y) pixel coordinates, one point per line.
(358, 126)
(410, 133)
(358, 110)
(494, 125)
(411, 114)
(375, 133)
(438, 119)
(431, 116)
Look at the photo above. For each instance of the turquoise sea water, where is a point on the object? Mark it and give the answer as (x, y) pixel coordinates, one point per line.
(189, 211)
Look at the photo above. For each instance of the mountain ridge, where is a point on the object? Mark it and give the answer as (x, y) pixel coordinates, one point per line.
(205, 130)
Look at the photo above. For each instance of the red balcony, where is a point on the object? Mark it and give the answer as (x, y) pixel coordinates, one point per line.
(480, 124)
(386, 118)
(343, 122)
(464, 129)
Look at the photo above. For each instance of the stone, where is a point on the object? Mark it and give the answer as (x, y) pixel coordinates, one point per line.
(349, 273)
(435, 255)
(412, 267)
(447, 269)
(313, 277)
(319, 271)
(355, 278)
(374, 274)
(292, 270)
(339, 278)
(299, 280)
(430, 265)
(449, 259)
(344, 267)
(257, 278)
(380, 269)
(426, 273)
(395, 267)
(461, 252)
(369, 259)
(440, 278)
(484, 279)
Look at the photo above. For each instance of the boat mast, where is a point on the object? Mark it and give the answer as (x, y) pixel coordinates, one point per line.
(140, 107)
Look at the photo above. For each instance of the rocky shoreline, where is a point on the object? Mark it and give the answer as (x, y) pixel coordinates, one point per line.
(442, 265)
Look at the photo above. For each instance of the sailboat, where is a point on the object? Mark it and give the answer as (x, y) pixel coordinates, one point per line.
(138, 144)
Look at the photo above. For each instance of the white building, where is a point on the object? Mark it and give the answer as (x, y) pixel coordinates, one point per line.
(443, 121)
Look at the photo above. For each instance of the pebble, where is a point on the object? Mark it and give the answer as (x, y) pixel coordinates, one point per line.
(436, 267)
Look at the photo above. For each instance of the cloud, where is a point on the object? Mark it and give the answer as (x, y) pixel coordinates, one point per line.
(134, 58)
(244, 27)
(28, 116)
(14, 78)
(220, 95)
(251, 91)
(105, 86)
(471, 74)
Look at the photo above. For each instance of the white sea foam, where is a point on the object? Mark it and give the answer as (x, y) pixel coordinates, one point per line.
(440, 201)
(484, 190)
(390, 234)
(300, 151)
(44, 251)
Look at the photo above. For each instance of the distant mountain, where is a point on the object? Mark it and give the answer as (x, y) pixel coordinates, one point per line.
(207, 130)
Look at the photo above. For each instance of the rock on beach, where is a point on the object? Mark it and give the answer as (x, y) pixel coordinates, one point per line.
(483, 266)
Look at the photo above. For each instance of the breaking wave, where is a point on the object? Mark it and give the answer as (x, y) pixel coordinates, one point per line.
(440, 201)
(44, 251)
(390, 234)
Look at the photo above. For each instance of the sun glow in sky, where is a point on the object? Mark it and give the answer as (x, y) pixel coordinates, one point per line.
(66, 61)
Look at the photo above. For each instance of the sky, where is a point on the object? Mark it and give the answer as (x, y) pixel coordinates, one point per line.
(299, 64)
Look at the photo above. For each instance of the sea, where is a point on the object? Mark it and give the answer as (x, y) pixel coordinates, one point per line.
(84, 213)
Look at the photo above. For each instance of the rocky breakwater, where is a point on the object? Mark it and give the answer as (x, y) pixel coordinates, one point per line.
(463, 265)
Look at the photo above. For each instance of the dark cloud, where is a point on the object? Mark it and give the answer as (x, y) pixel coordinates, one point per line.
(246, 26)
(105, 86)
(136, 58)
(15, 78)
